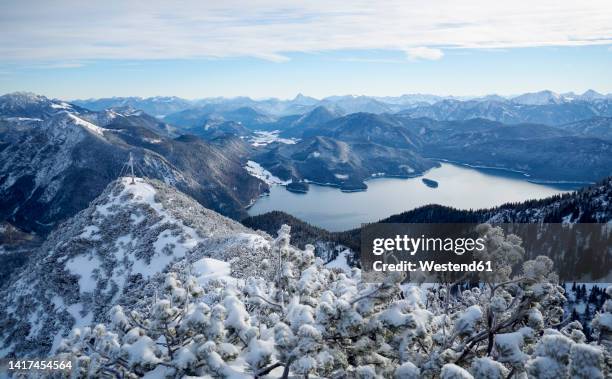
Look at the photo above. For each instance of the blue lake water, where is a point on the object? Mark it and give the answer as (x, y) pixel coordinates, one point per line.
(459, 187)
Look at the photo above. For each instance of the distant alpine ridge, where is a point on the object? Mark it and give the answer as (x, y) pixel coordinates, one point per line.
(165, 106)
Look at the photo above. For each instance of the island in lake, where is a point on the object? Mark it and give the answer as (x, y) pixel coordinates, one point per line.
(298, 187)
(353, 186)
(430, 183)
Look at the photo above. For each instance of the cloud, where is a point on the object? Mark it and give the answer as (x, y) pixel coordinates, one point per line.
(272, 57)
(59, 65)
(371, 60)
(78, 31)
(422, 52)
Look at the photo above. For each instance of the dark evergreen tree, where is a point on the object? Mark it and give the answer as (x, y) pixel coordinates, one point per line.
(575, 316)
(587, 316)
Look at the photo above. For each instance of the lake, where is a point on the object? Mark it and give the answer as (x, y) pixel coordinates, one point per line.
(458, 186)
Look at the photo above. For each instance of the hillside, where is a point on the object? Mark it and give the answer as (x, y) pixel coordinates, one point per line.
(114, 252)
(147, 283)
(346, 164)
(15, 249)
(347, 150)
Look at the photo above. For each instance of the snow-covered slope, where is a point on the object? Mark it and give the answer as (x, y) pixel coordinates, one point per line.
(114, 252)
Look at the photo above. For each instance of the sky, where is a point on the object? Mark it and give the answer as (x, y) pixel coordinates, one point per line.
(196, 49)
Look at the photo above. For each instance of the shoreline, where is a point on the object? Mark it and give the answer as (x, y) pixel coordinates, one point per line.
(527, 176)
(524, 176)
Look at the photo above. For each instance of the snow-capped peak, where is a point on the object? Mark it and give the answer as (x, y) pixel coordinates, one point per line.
(591, 95)
(22, 97)
(539, 98)
(30, 105)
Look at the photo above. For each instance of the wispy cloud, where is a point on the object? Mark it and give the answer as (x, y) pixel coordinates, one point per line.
(75, 31)
(58, 65)
(370, 60)
(422, 52)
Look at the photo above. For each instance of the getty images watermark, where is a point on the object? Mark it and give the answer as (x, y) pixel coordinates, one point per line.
(452, 252)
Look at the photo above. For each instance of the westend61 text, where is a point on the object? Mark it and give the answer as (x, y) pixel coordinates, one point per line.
(432, 266)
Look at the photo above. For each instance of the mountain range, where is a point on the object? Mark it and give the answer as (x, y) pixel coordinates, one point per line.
(556, 137)
(165, 106)
(56, 157)
(400, 145)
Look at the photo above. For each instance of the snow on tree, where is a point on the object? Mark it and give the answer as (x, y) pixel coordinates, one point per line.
(451, 371)
(602, 323)
(487, 368)
(307, 320)
(407, 371)
(586, 362)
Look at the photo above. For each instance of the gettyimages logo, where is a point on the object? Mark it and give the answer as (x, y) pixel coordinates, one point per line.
(477, 252)
(413, 245)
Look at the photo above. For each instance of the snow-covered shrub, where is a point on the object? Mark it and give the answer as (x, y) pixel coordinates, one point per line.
(310, 320)
(587, 362)
(407, 371)
(602, 323)
(487, 368)
(451, 371)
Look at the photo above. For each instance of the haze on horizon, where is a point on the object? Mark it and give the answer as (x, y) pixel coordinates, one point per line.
(70, 49)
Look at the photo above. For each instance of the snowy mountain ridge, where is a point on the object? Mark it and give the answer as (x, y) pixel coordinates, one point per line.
(114, 252)
(27, 105)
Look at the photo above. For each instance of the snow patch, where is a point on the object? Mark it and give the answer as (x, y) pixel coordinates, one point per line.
(207, 269)
(61, 105)
(22, 119)
(341, 261)
(84, 266)
(90, 233)
(87, 125)
(263, 138)
(256, 170)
